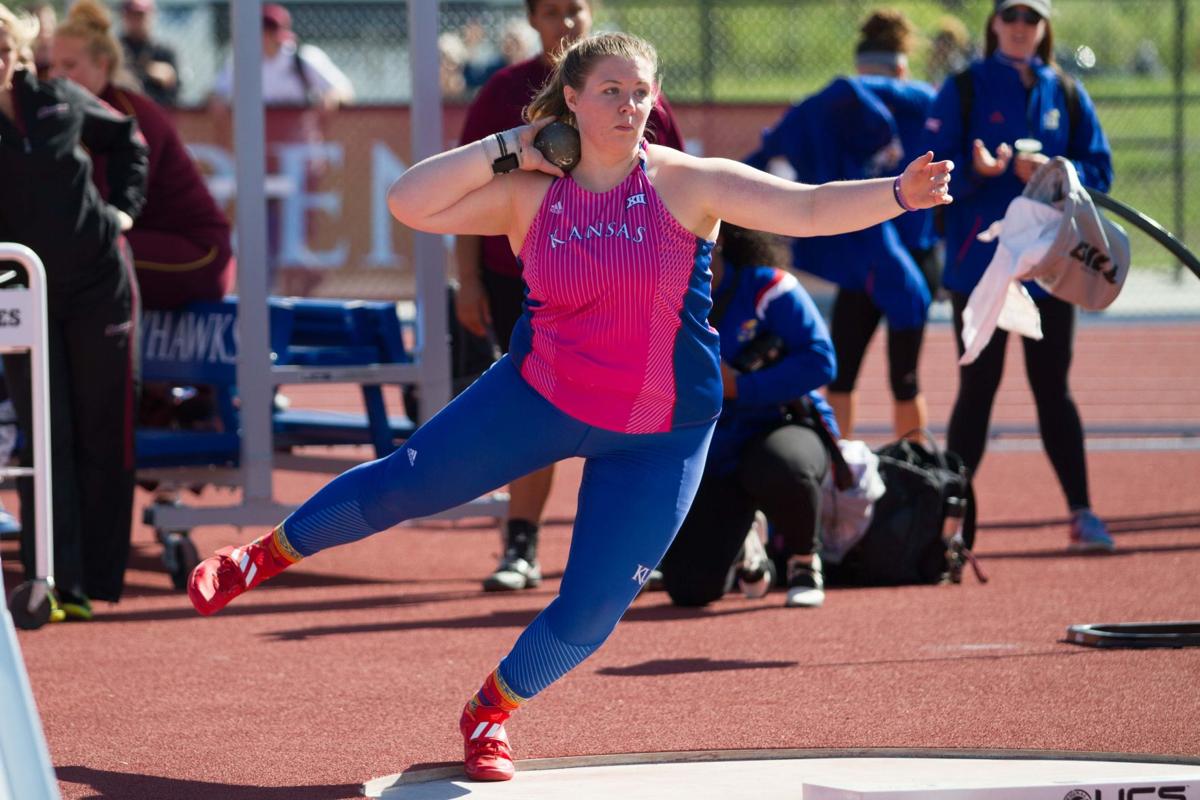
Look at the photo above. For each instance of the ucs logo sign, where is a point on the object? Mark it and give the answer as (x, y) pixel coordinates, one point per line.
(1159, 792)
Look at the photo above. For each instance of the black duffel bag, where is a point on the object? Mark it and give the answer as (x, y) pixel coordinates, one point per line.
(923, 527)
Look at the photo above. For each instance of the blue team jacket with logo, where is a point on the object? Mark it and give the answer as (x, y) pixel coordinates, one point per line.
(835, 135)
(768, 300)
(909, 102)
(1003, 110)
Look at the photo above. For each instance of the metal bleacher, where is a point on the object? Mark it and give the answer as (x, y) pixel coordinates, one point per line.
(196, 346)
(329, 341)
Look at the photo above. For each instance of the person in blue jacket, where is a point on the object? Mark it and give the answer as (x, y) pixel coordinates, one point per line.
(1017, 92)
(766, 452)
(857, 127)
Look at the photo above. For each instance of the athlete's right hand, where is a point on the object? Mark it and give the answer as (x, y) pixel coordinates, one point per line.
(124, 221)
(532, 159)
(985, 163)
(471, 307)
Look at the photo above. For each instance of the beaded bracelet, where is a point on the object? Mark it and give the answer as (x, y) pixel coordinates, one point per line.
(900, 196)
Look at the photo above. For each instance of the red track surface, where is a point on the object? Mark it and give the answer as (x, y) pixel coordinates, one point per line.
(355, 663)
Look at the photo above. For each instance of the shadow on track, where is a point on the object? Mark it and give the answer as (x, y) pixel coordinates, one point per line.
(1141, 523)
(509, 618)
(1121, 550)
(682, 666)
(128, 786)
(250, 608)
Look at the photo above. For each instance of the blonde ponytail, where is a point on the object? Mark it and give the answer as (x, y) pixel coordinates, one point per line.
(21, 26)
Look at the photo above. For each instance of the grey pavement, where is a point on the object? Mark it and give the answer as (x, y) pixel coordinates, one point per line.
(796, 775)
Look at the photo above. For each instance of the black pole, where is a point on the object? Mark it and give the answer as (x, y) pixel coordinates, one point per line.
(1180, 154)
(1150, 227)
(706, 51)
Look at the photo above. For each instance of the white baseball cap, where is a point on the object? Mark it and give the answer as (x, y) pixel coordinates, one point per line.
(1040, 6)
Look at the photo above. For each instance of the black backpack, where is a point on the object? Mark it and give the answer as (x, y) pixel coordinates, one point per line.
(922, 529)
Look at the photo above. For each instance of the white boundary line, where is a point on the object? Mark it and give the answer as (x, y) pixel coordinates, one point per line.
(378, 787)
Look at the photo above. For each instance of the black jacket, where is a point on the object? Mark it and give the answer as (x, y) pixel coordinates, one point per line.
(47, 199)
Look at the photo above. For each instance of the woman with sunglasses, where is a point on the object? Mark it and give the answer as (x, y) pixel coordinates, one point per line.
(1017, 92)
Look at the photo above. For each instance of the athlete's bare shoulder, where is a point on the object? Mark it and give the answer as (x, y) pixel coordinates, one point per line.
(528, 189)
(658, 155)
(681, 180)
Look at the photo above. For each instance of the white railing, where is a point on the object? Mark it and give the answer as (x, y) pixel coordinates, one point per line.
(25, 769)
(23, 328)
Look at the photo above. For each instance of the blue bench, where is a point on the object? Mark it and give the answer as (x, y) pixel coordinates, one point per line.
(197, 346)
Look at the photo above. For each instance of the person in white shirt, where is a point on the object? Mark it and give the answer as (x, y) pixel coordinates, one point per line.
(294, 74)
(301, 86)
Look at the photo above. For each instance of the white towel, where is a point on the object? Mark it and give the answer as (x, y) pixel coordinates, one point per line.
(999, 300)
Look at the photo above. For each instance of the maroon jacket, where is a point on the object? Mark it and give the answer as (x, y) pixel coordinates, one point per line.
(177, 198)
(498, 107)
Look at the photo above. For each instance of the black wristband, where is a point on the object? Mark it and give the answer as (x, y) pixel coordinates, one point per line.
(507, 161)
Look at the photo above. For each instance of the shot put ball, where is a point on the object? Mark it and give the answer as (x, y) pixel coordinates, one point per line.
(559, 143)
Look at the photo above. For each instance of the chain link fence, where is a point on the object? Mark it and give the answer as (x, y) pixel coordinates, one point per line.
(730, 68)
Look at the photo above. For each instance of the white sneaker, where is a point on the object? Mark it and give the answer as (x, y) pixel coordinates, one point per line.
(755, 572)
(806, 584)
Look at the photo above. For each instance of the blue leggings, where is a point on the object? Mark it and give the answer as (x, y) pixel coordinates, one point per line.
(635, 493)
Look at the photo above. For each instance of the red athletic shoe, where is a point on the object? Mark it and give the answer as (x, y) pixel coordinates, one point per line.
(233, 570)
(487, 756)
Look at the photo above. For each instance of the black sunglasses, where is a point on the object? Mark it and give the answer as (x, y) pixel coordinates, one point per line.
(1027, 15)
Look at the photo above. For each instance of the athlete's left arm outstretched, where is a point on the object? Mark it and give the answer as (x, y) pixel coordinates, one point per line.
(751, 198)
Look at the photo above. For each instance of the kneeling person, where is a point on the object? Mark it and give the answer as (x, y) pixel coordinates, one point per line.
(766, 453)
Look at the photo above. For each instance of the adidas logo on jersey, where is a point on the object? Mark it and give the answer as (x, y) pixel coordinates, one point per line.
(557, 208)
